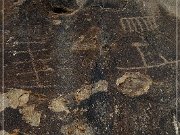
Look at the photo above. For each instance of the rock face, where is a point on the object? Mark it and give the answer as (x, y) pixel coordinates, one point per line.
(89, 67)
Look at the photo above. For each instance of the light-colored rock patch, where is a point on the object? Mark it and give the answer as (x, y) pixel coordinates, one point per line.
(17, 97)
(14, 98)
(77, 128)
(59, 104)
(4, 102)
(87, 90)
(19, 2)
(30, 115)
(3, 132)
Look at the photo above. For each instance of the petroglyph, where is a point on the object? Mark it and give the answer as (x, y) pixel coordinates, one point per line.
(171, 6)
(71, 52)
(149, 66)
(138, 24)
(134, 84)
(163, 58)
(149, 7)
(138, 45)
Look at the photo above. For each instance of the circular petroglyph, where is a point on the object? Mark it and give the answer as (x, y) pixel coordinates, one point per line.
(134, 84)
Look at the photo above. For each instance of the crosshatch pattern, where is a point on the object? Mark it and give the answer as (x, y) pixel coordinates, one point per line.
(27, 58)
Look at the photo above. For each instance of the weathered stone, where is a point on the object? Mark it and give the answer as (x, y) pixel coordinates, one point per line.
(30, 115)
(59, 104)
(77, 128)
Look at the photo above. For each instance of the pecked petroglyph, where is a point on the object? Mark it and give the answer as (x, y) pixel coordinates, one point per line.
(171, 6)
(73, 31)
(134, 84)
(138, 24)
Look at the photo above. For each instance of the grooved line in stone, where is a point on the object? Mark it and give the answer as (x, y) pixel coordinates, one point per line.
(135, 24)
(107, 1)
(163, 58)
(151, 66)
(138, 45)
(45, 70)
(24, 62)
(32, 87)
(33, 65)
(20, 52)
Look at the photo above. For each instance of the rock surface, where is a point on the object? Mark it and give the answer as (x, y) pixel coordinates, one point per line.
(90, 67)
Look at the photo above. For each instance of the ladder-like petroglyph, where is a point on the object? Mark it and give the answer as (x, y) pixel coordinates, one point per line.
(138, 24)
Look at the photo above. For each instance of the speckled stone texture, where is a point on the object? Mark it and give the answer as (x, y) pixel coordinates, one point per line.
(90, 67)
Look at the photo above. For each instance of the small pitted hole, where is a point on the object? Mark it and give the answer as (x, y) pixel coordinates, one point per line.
(60, 10)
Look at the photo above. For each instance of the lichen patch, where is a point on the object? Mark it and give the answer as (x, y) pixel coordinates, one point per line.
(14, 98)
(134, 84)
(77, 128)
(30, 115)
(59, 104)
(83, 93)
(17, 97)
(101, 85)
(87, 90)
